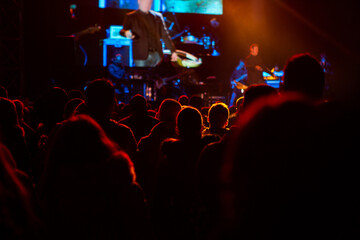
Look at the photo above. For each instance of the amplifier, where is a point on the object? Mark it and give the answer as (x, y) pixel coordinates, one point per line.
(113, 47)
(215, 99)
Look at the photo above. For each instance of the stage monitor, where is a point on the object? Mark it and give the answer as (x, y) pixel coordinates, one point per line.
(213, 7)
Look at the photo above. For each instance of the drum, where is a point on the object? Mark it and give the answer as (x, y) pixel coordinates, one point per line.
(206, 42)
(190, 39)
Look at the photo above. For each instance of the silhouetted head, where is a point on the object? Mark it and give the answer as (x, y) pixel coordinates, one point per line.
(80, 139)
(218, 115)
(183, 100)
(138, 104)
(71, 106)
(303, 73)
(189, 123)
(19, 105)
(257, 91)
(169, 109)
(239, 102)
(75, 93)
(52, 106)
(3, 92)
(8, 114)
(57, 97)
(100, 97)
(196, 102)
(77, 145)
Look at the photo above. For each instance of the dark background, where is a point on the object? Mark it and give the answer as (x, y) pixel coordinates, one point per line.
(281, 28)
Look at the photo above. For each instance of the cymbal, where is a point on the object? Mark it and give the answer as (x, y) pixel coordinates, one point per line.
(187, 60)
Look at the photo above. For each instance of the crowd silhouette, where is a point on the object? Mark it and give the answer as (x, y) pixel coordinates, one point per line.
(280, 164)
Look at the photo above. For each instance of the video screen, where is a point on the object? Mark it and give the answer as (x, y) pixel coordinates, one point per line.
(213, 7)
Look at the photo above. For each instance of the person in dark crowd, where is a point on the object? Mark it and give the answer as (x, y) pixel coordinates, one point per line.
(139, 120)
(147, 28)
(149, 146)
(183, 100)
(88, 188)
(251, 94)
(304, 74)
(282, 180)
(175, 201)
(75, 93)
(218, 120)
(212, 158)
(19, 216)
(3, 92)
(233, 117)
(196, 102)
(339, 128)
(30, 135)
(12, 135)
(49, 109)
(99, 103)
(70, 107)
(255, 92)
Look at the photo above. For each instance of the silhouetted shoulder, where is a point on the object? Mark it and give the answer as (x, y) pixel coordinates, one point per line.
(122, 135)
(121, 168)
(169, 144)
(119, 125)
(210, 138)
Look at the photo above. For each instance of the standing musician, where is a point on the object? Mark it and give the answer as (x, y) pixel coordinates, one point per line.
(237, 80)
(146, 28)
(255, 67)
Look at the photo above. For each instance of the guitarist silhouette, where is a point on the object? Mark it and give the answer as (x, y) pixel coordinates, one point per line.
(237, 80)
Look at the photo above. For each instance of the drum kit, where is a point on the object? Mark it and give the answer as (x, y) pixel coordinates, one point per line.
(193, 46)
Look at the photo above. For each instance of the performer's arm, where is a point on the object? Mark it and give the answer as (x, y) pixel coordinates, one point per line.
(241, 78)
(126, 31)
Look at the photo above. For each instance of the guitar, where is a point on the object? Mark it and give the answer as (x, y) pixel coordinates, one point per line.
(159, 83)
(238, 85)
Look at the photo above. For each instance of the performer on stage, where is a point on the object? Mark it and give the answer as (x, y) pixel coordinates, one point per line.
(146, 28)
(116, 69)
(254, 66)
(238, 82)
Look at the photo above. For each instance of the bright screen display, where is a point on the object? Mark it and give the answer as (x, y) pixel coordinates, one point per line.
(213, 7)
